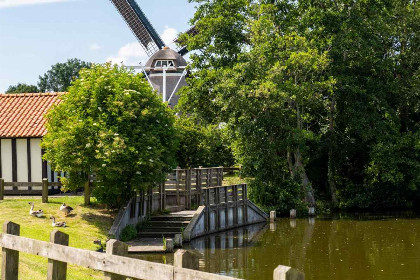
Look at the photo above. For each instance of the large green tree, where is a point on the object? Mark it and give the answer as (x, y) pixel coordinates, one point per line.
(22, 88)
(60, 76)
(113, 125)
(357, 141)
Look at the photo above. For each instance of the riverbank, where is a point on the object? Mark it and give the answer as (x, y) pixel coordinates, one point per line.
(86, 225)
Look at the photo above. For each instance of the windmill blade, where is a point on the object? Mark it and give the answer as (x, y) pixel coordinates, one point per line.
(139, 25)
(182, 49)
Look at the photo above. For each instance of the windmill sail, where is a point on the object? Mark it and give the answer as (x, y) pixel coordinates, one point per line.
(182, 49)
(139, 25)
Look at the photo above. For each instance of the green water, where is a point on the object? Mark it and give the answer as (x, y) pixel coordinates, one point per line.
(361, 248)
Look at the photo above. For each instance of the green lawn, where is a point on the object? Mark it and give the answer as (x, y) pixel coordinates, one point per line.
(86, 225)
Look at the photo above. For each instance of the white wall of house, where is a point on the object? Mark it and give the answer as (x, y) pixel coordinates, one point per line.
(6, 161)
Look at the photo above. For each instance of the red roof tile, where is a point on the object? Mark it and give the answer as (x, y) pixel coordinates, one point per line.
(21, 115)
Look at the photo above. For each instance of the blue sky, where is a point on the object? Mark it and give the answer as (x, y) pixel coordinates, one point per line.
(35, 34)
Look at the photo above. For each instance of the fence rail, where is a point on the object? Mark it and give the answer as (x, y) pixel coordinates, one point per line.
(114, 263)
(45, 187)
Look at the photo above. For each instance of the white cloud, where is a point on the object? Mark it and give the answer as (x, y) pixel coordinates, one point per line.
(132, 54)
(169, 35)
(15, 3)
(95, 47)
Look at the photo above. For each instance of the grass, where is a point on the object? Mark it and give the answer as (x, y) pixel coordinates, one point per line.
(233, 179)
(84, 226)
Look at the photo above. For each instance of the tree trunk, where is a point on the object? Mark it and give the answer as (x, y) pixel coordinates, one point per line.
(87, 192)
(306, 184)
(331, 169)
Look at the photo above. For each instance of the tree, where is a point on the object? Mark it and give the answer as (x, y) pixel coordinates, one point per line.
(22, 88)
(202, 145)
(358, 141)
(272, 96)
(113, 125)
(60, 76)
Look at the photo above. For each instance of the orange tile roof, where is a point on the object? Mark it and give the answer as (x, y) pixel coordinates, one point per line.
(21, 115)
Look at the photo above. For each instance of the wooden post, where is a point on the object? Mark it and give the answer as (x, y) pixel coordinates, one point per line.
(57, 270)
(245, 200)
(1, 189)
(10, 258)
(272, 216)
(287, 273)
(235, 204)
(186, 259)
(115, 247)
(45, 190)
(177, 178)
(87, 192)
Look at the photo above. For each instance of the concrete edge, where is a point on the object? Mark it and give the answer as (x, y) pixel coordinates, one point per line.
(118, 219)
(186, 235)
(258, 210)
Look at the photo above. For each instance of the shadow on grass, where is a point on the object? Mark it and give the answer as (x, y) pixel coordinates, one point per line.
(103, 221)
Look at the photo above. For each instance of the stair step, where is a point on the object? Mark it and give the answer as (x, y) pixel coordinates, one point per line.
(169, 223)
(162, 229)
(171, 218)
(157, 234)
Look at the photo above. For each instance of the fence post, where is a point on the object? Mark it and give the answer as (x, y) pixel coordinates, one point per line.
(287, 273)
(1, 189)
(186, 259)
(45, 190)
(177, 178)
(115, 247)
(10, 258)
(57, 270)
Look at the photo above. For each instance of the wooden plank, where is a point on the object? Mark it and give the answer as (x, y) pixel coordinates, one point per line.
(23, 184)
(57, 270)
(108, 263)
(10, 257)
(189, 274)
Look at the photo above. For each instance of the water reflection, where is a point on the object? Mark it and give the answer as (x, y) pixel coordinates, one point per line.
(340, 248)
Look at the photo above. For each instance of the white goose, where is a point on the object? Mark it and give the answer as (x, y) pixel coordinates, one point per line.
(37, 214)
(66, 209)
(58, 224)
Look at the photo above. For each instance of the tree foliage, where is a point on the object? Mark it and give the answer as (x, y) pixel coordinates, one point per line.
(60, 76)
(320, 95)
(202, 145)
(22, 88)
(111, 124)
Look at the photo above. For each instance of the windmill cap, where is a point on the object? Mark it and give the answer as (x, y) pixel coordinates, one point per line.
(167, 54)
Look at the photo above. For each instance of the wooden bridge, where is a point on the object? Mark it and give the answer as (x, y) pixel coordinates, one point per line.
(219, 207)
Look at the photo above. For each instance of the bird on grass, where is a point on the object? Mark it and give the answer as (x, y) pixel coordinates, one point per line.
(38, 213)
(57, 224)
(66, 209)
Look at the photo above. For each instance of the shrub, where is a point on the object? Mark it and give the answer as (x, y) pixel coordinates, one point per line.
(128, 233)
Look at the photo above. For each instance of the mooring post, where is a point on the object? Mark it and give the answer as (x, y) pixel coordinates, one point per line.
(272, 216)
(45, 190)
(287, 273)
(57, 270)
(1, 189)
(10, 258)
(115, 247)
(293, 214)
(169, 245)
(186, 259)
(311, 211)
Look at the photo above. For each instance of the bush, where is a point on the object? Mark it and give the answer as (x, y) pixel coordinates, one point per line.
(202, 145)
(128, 233)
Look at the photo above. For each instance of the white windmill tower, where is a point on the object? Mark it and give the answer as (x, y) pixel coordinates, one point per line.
(166, 68)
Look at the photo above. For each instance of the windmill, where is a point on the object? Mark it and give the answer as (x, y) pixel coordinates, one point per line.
(166, 68)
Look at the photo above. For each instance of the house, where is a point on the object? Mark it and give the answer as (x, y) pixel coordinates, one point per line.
(21, 130)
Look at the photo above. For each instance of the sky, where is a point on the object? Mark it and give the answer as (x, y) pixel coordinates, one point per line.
(36, 34)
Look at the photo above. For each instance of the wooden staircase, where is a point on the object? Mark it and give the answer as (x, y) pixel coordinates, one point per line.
(167, 225)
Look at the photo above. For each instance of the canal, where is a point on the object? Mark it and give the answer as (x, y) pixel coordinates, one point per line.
(360, 247)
